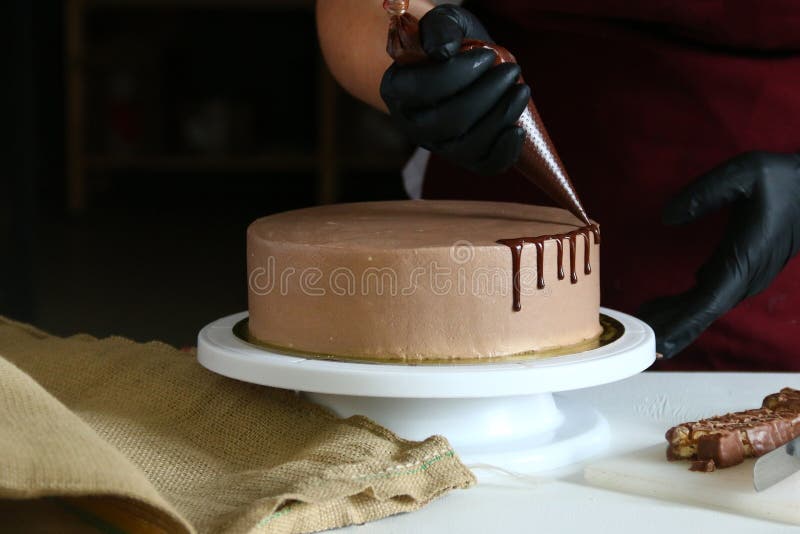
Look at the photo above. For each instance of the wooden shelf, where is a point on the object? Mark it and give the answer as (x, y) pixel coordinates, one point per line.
(372, 164)
(326, 160)
(284, 162)
(191, 4)
(203, 163)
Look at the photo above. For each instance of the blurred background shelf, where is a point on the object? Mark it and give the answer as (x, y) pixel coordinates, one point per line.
(143, 136)
(211, 86)
(287, 162)
(275, 163)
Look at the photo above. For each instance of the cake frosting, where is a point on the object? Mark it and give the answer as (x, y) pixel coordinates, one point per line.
(423, 280)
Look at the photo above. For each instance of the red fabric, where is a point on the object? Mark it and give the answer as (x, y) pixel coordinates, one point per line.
(639, 99)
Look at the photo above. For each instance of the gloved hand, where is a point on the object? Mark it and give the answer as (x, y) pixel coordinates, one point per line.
(763, 234)
(457, 104)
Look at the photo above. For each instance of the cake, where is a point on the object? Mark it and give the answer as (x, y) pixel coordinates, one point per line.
(423, 280)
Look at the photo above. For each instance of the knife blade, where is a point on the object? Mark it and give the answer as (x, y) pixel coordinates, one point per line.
(776, 465)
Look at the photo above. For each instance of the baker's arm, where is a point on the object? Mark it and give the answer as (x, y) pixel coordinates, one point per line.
(352, 34)
(455, 104)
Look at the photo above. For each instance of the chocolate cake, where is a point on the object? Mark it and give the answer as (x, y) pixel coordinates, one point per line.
(418, 281)
(423, 280)
(726, 440)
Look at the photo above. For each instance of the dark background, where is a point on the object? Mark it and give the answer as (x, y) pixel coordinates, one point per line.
(143, 136)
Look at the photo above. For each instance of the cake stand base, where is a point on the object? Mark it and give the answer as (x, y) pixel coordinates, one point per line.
(500, 414)
(522, 434)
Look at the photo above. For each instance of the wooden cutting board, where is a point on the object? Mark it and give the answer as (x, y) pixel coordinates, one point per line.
(647, 472)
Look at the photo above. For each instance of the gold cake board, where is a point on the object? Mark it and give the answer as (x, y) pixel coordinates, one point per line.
(612, 331)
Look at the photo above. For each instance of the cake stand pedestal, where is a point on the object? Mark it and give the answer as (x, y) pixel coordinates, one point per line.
(502, 414)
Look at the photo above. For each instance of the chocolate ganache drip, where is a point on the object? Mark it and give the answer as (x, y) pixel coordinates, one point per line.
(517, 244)
(538, 160)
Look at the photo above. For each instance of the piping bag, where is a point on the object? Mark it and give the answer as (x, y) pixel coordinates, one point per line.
(538, 160)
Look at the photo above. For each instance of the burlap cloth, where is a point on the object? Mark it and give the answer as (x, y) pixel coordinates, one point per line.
(141, 438)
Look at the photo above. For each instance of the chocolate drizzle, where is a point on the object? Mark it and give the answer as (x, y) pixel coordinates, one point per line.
(517, 244)
(573, 276)
(596, 231)
(516, 258)
(539, 264)
(560, 260)
(587, 267)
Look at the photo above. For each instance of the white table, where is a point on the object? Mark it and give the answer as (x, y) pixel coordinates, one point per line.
(639, 410)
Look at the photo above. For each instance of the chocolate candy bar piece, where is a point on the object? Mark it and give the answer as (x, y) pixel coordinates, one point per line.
(787, 399)
(727, 440)
(724, 448)
(703, 466)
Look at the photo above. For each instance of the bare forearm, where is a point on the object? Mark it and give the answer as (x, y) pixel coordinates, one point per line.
(352, 34)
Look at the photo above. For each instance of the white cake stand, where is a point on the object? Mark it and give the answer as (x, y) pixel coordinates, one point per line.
(500, 414)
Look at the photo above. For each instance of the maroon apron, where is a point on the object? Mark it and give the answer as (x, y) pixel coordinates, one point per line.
(640, 98)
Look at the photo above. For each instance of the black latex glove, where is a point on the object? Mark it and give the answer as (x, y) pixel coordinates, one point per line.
(458, 104)
(762, 235)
